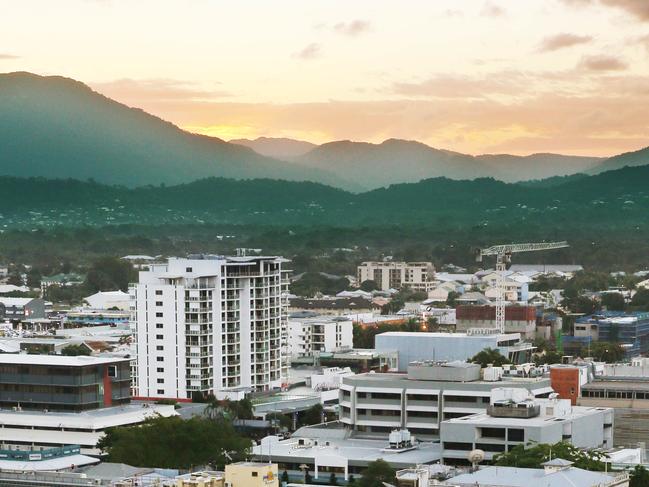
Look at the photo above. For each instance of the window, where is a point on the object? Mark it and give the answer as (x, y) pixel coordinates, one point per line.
(158, 314)
(254, 474)
(161, 369)
(161, 391)
(159, 326)
(112, 371)
(515, 434)
(158, 303)
(161, 381)
(159, 337)
(188, 269)
(158, 292)
(160, 359)
(159, 347)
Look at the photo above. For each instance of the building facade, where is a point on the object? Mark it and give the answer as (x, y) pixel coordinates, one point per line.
(518, 319)
(513, 417)
(58, 383)
(210, 325)
(311, 335)
(419, 276)
(375, 404)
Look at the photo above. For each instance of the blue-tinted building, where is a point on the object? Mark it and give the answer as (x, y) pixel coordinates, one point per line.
(628, 329)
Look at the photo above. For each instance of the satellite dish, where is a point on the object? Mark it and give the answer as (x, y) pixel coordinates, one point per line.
(476, 456)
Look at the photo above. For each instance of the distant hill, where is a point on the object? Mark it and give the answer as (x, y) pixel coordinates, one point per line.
(395, 161)
(277, 147)
(636, 158)
(615, 199)
(56, 127)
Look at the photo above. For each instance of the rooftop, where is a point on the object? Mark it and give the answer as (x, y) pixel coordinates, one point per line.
(537, 477)
(57, 360)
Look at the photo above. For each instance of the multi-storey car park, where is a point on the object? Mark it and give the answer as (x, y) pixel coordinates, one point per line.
(210, 325)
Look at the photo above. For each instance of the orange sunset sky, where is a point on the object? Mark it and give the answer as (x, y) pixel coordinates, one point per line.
(475, 76)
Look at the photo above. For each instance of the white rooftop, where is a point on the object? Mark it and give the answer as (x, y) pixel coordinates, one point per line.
(528, 477)
(50, 464)
(56, 360)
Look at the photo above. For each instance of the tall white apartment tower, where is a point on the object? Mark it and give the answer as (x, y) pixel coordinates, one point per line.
(210, 324)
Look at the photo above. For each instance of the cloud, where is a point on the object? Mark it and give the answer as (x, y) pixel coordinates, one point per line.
(312, 51)
(5, 56)
(560, 41)
(353, 28)
(137, 91)
(638, 8)
(602, 62)
(490, 9)
(454, 86)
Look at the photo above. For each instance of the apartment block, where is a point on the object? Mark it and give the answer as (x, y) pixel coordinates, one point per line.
(313, 334)
(210, 325)
(419, 276)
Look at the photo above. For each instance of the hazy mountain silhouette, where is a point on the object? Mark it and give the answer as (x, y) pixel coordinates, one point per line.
(277, 147)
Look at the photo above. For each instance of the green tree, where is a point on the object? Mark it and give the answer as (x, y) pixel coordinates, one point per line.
(613, 301)
(75, 350)
(489, 356)
(313, 415)
(284, 477)
(333, 480)
(15, 278)
(109, 273)
(351, 480)
(451, 299)
(605, 352)
(34, 278)
(174, 443)
(639, 477)
(377, 472)
(534, 455)
(640, 299)
(369, 285)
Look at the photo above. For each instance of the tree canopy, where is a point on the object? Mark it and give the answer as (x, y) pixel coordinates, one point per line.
(534, 455)
(377, 472)
(489, 356)
(174, 443)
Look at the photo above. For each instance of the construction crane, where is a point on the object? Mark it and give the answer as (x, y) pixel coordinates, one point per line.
(503, 255)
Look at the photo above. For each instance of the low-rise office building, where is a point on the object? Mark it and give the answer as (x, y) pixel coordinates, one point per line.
(518, 319)
(55, 401)
(19, 309)
(631, 330)
(514, 417)
(372, 405)
(417, 346)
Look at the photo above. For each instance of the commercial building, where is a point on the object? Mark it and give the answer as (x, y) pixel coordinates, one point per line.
(60, 383)
(372, 405)
(329, 448)
(18, 309)
(28, 461)
(210, 325)
(333, 306)
(416, 346)
(518, 319)
(514, 417)
(309, 335)
(251, 474)
(109, 300)
(419, 276)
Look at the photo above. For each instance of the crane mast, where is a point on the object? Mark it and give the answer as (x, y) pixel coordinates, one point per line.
(503, 255)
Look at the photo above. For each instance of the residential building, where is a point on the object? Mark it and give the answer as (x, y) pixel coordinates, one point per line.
(518, 319)
(109, 300)
(18, 309)
(514, 417)
(419, 276)
(210, 325)
(335, 306)
(555, 473)
(308, 336)
(372, 405)
(416, 346)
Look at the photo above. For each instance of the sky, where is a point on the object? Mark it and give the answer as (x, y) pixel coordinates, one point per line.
(473, 76)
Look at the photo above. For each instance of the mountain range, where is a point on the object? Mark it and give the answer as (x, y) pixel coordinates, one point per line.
(56, 127)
